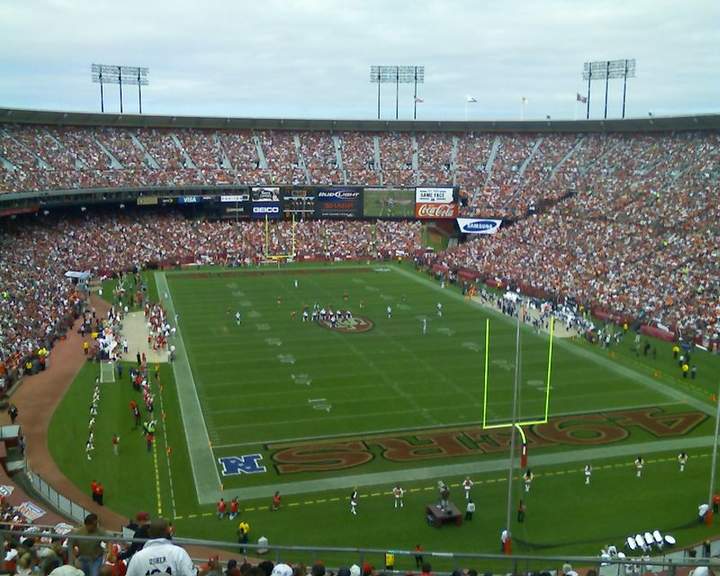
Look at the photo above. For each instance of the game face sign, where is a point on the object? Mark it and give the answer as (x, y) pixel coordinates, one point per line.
(434, 196)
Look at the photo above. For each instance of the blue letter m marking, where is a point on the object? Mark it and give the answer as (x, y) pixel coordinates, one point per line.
(247, 464)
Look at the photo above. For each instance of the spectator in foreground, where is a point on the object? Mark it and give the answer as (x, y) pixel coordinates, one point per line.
(160, 555)
(89, 552)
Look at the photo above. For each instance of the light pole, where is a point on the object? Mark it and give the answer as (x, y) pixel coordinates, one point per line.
(605, 70)
(397, 75)
(112, 74)
(469, 100)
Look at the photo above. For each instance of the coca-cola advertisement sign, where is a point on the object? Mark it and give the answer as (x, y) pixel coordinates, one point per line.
(426, 211)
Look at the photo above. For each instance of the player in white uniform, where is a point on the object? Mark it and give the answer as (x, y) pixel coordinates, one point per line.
(588, 473)
(439, 309)
(682, 460)
(354, 502)
(528, 478)
(398, 494)
(639, 463)
(467, 486)
(389, 312)
(238, 318)
(424, 326)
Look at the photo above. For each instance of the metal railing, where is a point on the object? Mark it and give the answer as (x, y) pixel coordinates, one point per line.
(442, 562)
(61, 503)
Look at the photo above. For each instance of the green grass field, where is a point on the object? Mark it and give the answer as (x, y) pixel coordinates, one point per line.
(327, 410)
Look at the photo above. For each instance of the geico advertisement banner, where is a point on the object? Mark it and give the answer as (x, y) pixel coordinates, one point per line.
(434, 195)
(428, 211)
(266, 209)
(478, 225)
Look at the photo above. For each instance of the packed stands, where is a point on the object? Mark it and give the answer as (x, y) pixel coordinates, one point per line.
(505, 175)
(624, 222)
(640, 243)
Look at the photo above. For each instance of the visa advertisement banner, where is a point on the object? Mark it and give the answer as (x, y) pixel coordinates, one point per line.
(478, 225)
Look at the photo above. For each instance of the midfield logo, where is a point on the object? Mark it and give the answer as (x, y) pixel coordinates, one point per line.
(236, 465)
(355, 324)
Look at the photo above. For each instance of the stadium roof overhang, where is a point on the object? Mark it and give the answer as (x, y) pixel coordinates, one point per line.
(652, 124)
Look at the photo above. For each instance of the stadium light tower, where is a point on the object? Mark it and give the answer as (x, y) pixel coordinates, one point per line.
(604, 70)
(398, 75)
(111, 74)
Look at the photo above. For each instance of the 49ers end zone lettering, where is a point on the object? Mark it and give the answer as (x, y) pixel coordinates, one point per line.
(578, 430)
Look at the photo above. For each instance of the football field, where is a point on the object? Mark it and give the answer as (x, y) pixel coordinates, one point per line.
(275, 402)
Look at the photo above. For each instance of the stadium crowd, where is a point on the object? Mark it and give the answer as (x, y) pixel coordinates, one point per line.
(92, 551)
(501, 175)
(645, 250)
(636, 235)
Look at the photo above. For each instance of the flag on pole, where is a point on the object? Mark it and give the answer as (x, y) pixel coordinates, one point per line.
(471, 99)
(419, 100)
(582, 99)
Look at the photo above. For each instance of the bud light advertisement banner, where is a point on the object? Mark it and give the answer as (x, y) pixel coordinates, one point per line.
(338, 203)
(478, 225)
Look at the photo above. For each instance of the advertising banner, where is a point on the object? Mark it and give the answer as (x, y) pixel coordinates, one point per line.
(338, 203)
(478, 225)
(237, 209)
(299, 202)
(189, 199)
(147, 200)
(261, 210)
(265, 194)
(434, 195)
(429, 211)
(235, 197)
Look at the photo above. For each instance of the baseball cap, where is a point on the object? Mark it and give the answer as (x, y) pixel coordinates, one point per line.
(355, 570)
(282, 570)
(67, 570)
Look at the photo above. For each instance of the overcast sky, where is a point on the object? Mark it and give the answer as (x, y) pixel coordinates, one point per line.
(311, 58)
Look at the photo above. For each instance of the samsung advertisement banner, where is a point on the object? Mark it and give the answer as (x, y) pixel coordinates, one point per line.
(478, 225)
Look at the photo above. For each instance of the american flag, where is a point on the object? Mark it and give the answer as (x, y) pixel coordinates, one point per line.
(582, 99)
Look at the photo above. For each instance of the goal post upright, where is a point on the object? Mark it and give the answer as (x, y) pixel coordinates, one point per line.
(266, 242)
(545, 417)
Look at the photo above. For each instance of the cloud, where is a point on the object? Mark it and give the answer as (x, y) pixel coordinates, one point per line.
(311, 58)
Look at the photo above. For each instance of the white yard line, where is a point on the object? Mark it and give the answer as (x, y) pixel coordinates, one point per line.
(205, 473)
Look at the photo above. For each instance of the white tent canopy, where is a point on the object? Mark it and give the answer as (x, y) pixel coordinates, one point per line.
(81, 276)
